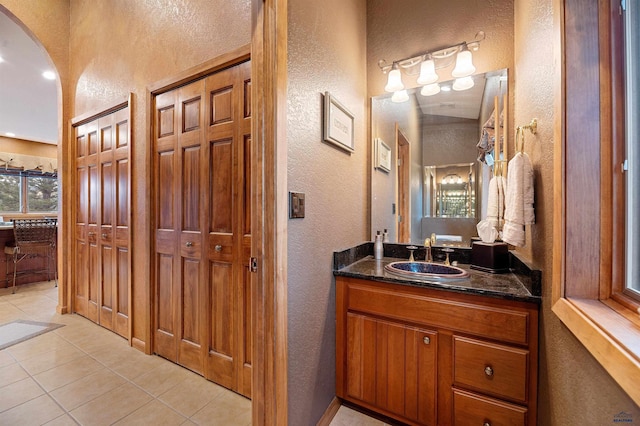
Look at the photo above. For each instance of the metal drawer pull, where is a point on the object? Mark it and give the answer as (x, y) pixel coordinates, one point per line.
(486, 424)
(218, 248)
(104, 235)
(426, 340)
(188, 244)
(489, 372)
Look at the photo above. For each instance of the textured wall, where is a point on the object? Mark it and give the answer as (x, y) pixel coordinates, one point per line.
(403, 28)
(573, 388)
(20, 146)
(326, 52)
(121, 46)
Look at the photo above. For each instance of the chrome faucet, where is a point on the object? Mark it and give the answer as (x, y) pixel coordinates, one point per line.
(427, 246)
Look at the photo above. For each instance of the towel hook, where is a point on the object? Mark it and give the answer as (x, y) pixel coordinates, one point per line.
(532, 127)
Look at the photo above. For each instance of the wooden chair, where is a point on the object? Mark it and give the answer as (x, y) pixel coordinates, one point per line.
(32, 238)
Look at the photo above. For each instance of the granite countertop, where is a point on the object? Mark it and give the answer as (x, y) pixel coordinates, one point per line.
(522, 284)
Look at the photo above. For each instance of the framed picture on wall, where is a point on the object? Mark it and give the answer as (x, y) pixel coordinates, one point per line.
(382, 155)
(338, 124)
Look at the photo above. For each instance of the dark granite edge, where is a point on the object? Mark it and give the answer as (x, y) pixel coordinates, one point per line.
(524, 271)
(528, 275)
(443, 287)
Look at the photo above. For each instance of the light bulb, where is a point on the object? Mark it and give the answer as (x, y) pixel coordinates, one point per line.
(394, 81)
(49, 75)
(427, 73)
(430, 89)
(463, 83)
(400, 96)
(459, 180)
(464, 65)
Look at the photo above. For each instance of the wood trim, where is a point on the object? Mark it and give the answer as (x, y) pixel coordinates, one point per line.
(330, 412)
(218, 63)
(269, 204)
(622, 366)
(108, 109)
(131, 225)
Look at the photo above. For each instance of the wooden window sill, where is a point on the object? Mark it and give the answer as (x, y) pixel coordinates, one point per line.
(611, 337)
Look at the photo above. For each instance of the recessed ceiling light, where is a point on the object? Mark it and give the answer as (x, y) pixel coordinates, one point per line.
(11, 135)
(49, 75)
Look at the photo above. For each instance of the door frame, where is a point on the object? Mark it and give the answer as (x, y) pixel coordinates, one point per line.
(403, 191)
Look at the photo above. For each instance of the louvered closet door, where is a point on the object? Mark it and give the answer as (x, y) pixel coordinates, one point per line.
(228, 236)
(180, 169)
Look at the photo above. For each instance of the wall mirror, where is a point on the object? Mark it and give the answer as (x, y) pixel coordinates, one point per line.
(435, 184)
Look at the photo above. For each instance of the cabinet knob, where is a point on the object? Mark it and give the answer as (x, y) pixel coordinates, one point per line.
(218, 248)
(488, 371)
(104, 235)
(188, 244)
(426, 340)
(486, 424)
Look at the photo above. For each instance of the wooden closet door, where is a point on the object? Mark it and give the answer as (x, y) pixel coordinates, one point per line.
(228, 236)
(180, 168)
(102, 259)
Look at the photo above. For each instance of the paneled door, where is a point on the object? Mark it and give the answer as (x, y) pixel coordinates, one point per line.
(202, 312)
(102, 216)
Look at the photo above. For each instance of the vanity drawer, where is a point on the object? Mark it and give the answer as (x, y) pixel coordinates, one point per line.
(472, 409)
(495, 369)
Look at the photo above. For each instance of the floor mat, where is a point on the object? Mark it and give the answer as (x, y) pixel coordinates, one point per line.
(21, 330)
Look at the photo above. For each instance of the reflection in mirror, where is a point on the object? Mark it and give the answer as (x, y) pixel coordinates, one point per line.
(431, 138)
(449, 191)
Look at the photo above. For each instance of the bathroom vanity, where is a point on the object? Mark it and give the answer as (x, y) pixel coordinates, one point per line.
(459, 352)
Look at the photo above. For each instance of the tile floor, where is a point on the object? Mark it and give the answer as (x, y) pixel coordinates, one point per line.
(84, 374)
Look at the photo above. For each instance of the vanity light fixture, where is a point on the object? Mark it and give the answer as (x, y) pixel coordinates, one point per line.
(400, 96)
(463, 83)
(394, 81)
(430, 89)
(431, 61)
(464, 64)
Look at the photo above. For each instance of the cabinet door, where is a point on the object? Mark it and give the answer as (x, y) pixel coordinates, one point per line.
(392, 366)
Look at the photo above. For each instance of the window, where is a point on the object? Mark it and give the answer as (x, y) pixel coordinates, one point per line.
(632, 96)
(595, 259)
(28, 192)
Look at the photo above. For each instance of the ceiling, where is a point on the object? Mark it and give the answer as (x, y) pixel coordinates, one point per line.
(28, 101)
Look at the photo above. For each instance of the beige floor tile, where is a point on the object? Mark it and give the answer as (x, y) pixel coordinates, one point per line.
(68, 373)
(228, 409)
(35, 412)
(154, 413)
(38, 345)
(349, 417)
(161, 379)
(18, 393)
(49, 360)
(86, 389)
(64, 420)
(11, 373)
(190, 395)
(6, 358)
(132, 368)
(111, 406)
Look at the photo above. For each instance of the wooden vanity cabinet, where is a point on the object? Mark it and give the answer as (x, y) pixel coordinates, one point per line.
(434, 357)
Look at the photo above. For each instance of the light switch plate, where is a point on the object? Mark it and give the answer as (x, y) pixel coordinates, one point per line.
(296, 205)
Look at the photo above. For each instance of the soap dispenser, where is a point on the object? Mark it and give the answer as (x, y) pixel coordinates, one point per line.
(378, 250)
(385, 236)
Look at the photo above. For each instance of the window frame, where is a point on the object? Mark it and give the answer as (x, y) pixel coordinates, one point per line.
(24, 191)
(588, 268)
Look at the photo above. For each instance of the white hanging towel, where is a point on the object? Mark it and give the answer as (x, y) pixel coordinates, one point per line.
(519, 200)
(496, 200)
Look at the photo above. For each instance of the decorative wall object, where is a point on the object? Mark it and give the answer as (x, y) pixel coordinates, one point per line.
(382, 155)
(338, 124)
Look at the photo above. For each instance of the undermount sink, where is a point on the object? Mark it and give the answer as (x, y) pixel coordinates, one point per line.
(426, 270)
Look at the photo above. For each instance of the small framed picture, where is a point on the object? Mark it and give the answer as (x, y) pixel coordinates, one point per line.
(382, 154)
(338, 124)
